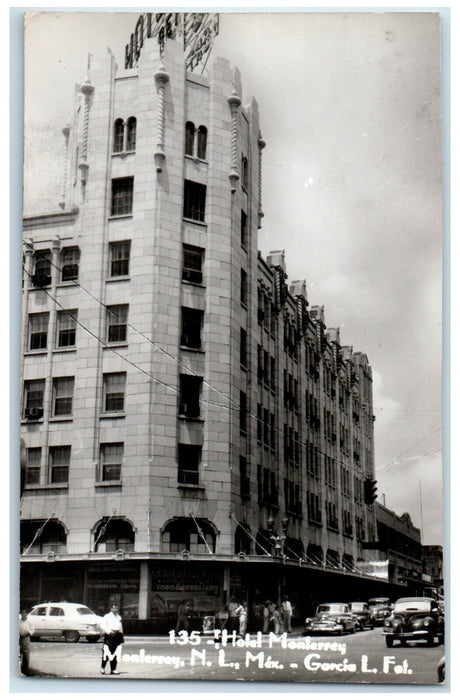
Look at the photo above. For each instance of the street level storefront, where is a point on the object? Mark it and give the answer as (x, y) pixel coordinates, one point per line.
(149, 591)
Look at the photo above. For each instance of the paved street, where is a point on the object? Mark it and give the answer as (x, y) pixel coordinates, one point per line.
(358, 658)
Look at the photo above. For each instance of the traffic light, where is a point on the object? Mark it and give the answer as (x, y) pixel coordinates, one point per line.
(370, 491)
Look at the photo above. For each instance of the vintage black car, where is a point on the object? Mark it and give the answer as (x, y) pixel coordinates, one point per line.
(381, 608)
(363, 614)
(332, 618)
(414, 619)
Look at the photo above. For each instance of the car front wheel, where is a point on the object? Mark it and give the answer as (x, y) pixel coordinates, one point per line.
(389, 642)
(71, 636)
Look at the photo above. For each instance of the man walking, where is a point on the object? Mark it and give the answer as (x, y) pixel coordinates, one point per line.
(25, 632)
(286, 614)
(112, 628)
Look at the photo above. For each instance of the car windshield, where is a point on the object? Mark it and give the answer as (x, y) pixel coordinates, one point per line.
(422, 606)
(379, 601)
(358, 607)
(84, 611)
(332, 608)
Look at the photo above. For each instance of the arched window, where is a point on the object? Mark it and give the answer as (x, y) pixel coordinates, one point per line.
(332, 559)
(315, 554)
(202, 142)
(131, 134)
(118, 135)
(196, 536)
(263, 543)
(293, 548)
(242, 540)
(189, 138)
(112, 534)
(347, 562)
(41, 537)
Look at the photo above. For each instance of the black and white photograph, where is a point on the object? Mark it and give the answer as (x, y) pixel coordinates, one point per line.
(231, 348)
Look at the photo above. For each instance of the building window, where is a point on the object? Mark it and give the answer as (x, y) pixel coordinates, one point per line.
(114, 392)
(189, 138)
(192, 321)
(66, 328)
(244, 172)
(244, 229)
(70, 260)
(187, 534)
(192, 270)
(243, 412)
(122, 196)
(111, 458)
(118, 135)
(62, 396)
(244, 287)
(131, 128)
(202, 142)
(245, 487)
(189, 395)
(114, 534)
(119, 258)
(117, 320)
(59, 462)
(34, 458)
(38, 331)
(42, 268)
(189, 458)
(243, 347)
(194, 200)
(33, 399)
(41, 537)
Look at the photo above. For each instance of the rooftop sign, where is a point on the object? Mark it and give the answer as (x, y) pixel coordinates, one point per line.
(195, 29)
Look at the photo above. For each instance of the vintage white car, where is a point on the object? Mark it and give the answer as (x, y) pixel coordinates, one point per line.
(68, 620)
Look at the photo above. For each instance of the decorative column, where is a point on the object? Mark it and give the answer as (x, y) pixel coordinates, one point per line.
(261, 144)
(66, 132)
(87, 90)
(161, 78)
(234, 101)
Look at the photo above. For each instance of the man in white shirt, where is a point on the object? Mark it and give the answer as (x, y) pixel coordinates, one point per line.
(112, 628)
(286, 614)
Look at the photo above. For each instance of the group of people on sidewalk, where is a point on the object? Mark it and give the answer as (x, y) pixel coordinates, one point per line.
(277, 618)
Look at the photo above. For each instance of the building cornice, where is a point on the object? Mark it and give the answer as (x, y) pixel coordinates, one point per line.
(53, 219)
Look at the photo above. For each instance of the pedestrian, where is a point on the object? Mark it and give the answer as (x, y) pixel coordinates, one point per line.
(232, 616)
(266, 616)
(274, 619)
(26, 630)
(242, 613)
(183, 623)
(286, 614)
(112, 629)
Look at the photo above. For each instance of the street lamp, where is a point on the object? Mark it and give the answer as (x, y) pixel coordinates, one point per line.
(278, 540)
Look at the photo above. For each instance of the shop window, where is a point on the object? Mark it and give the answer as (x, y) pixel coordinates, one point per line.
(114, 392)
(192, 270)
(62, 396)
(34, 459)
(189, 459)
(192, 322)
(38, 331)
(119, 253)
(66, 328)
(70, 261)
(117, 323)
(194, 200)
(122, 196)
(114, 534)
(111, 459)
(33, 399)
(59, 462)
(194, 535)
(189, 395)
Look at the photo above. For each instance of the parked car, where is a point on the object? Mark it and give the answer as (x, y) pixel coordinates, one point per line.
(331, 618)
(381, 608)
(414, 619)
(364, 614)
(68, 620)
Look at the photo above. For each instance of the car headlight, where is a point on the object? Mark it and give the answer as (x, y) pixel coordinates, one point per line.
(426, 622)
(307, 620)
(387, 623)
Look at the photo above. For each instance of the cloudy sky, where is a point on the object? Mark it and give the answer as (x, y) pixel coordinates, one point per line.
(352, 190)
